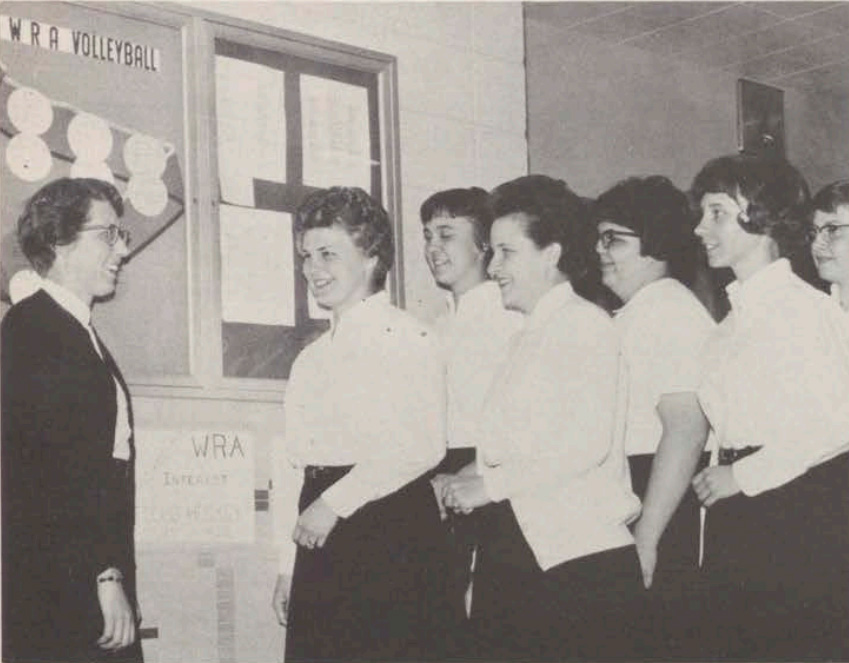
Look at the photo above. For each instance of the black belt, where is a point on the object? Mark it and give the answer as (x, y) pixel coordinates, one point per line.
(314, 472)
(727, 456)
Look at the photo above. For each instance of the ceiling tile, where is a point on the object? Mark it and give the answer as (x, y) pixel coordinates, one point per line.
(792, 9)
(799, 44)
(833, 20)
(645, 17)
(824, 51)
(705, 30)
(779, 37)
(565, 15)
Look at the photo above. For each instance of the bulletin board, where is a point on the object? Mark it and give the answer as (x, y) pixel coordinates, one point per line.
(93, 93)
(285, 127)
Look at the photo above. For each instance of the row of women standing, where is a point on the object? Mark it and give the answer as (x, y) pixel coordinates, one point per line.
(560, 421)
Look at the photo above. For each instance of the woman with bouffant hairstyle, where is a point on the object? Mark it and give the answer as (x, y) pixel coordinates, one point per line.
(775, 393)
(556, 558)
(648, 255)
(364, 423)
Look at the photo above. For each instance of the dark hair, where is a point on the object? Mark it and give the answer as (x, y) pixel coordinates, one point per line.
(776, 192)
(660, 213)
(55, 213)
(831, 196)
(472, 203)
(360, 215)
(554, 215)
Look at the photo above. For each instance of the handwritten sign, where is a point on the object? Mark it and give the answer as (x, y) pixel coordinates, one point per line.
(82, 43)
(194, 486)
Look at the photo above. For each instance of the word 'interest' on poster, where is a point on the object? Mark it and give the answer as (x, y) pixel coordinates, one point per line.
(194, 486)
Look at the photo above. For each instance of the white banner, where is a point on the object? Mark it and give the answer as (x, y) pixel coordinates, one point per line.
(79, 42)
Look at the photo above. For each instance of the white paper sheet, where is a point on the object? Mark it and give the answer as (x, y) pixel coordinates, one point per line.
(251, 115)
(257, 266)
(336, 140)
(194, 486)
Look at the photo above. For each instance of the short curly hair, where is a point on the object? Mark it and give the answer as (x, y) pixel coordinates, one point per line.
(360, 215)
(660, 213)
(777, 194)
(555, 215)
(54, 215)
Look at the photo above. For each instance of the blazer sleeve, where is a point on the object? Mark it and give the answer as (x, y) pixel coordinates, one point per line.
(58, 433)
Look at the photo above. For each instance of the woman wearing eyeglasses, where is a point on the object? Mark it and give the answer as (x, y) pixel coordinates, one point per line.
(557, 573)
(67, 441)
(648, 253)
(830, 238)
(775, 393)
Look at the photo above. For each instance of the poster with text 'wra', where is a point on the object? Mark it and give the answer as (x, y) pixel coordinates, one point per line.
(194, 486)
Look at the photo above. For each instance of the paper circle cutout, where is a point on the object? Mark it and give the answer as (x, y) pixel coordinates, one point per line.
(90, 137)
(28, 157)
(30, 111)
(145, 156)
(96, 169)
(149, 196)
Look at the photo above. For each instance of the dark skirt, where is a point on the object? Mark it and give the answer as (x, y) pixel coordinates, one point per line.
(460, 535)
(778, 568)
(672, 604)
(584, 609)
(376, 590)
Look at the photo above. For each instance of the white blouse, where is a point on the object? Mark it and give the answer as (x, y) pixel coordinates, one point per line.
(547, 442)
(663, 329)
(369, 393)
(475, 336)
(777, 376)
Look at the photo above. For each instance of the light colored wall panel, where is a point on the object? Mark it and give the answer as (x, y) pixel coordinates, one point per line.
(599, 112)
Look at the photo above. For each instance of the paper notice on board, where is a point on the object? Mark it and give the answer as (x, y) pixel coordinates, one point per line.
(337, 146)
(257, 267)
(194, 486)
(251, 123)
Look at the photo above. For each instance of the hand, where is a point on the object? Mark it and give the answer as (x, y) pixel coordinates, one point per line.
(280, 600)
(647, 552)
(314, 525)
(119, 624)
(438, 483)
(715, 483)
(463, 494)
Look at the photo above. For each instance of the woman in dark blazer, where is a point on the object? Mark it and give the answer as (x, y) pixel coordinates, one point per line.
(67, 448)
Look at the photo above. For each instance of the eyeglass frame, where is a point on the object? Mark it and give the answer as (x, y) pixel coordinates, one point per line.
(609, 236)
(112, 233)
(813, 233)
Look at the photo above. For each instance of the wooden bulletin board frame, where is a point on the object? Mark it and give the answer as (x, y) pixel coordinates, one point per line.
(148, 323)
(199, 267)
(268, 350)
(326, 59)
